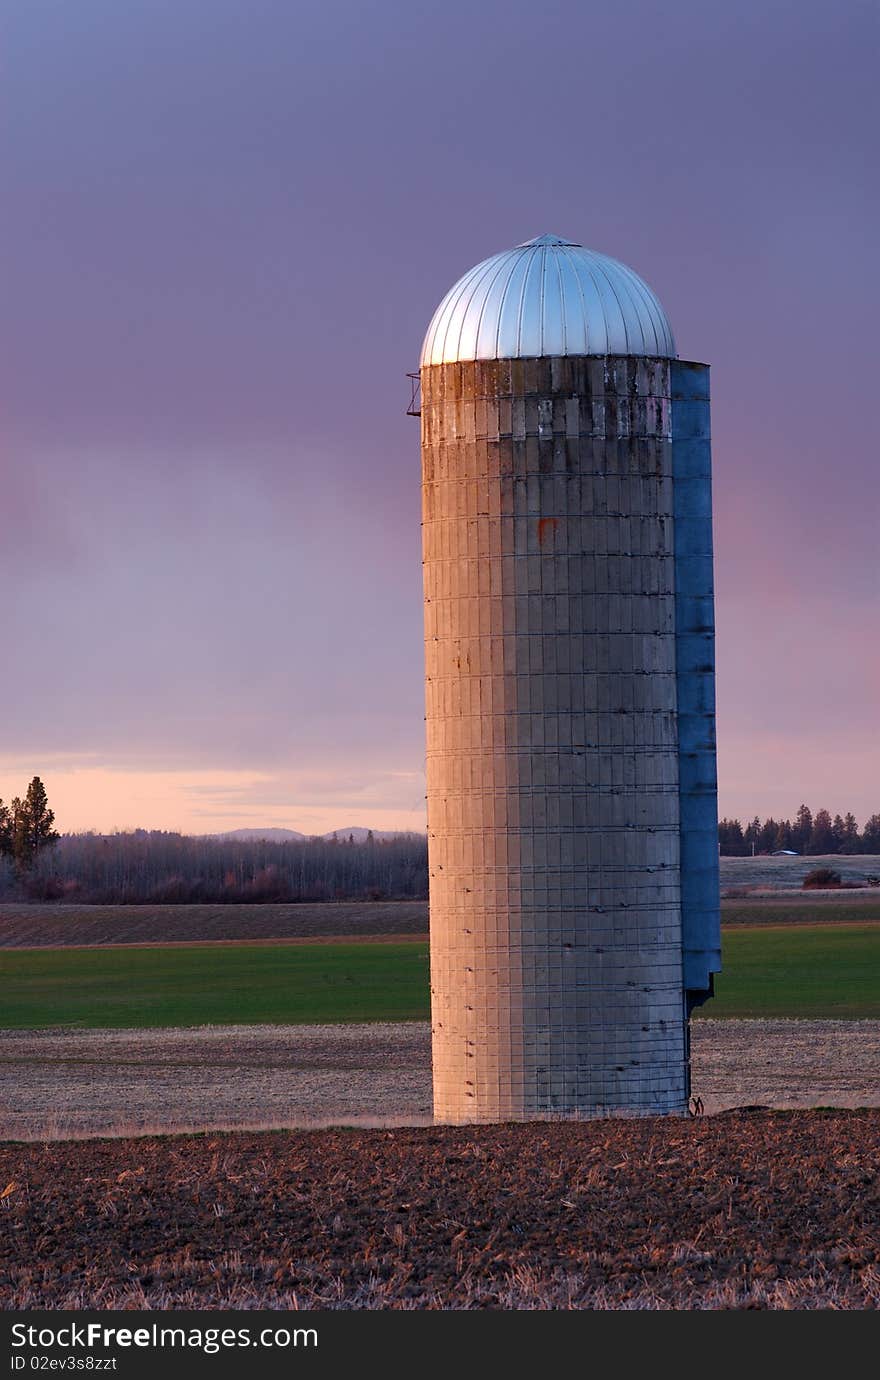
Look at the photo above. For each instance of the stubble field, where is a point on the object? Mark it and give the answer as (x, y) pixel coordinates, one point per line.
(747, 1210)
(61, 1083)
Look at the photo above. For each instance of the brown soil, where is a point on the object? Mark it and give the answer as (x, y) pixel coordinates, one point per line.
(802, 908)
(35, 925)
(38, 925)
(68, 1083)
(746, 1210)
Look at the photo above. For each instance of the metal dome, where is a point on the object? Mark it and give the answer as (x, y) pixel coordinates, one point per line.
(548, 296)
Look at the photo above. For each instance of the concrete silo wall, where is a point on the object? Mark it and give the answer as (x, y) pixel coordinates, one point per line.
(552, 747)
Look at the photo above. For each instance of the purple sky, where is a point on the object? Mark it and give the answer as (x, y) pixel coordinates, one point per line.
(226, 226)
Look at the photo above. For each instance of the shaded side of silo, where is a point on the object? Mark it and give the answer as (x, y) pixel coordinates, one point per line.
(552, 741)
(695, 678)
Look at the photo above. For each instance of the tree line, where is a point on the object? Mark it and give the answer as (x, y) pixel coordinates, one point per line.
(161, 868)
(155, 866)
(807, 833)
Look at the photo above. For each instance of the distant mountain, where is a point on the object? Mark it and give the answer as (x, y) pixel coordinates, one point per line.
(356, 831)
(268, 835)
(360, 835)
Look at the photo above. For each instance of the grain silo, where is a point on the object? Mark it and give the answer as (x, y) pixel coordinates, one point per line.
(569, 690)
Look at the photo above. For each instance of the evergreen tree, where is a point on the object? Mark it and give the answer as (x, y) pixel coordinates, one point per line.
(32, 825)
(838, 834)
(803, 828)
(850, 834)
(731, 842)
(822, 834)
(871, 835)
(5, 831)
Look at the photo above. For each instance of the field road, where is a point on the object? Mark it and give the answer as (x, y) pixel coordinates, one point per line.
(55, 1084)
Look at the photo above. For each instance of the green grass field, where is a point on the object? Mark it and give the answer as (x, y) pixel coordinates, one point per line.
(213, 984)
(811, 971)
(816, 971)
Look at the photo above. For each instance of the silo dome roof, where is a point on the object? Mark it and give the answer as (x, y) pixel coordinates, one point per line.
(548, 296)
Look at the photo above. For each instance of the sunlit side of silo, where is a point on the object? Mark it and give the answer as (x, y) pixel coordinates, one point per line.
(569, 651)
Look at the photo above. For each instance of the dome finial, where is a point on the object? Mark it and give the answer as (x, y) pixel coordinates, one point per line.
(549, 239)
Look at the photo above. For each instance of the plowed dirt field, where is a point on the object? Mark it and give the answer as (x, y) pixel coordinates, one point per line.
(742, 1210)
